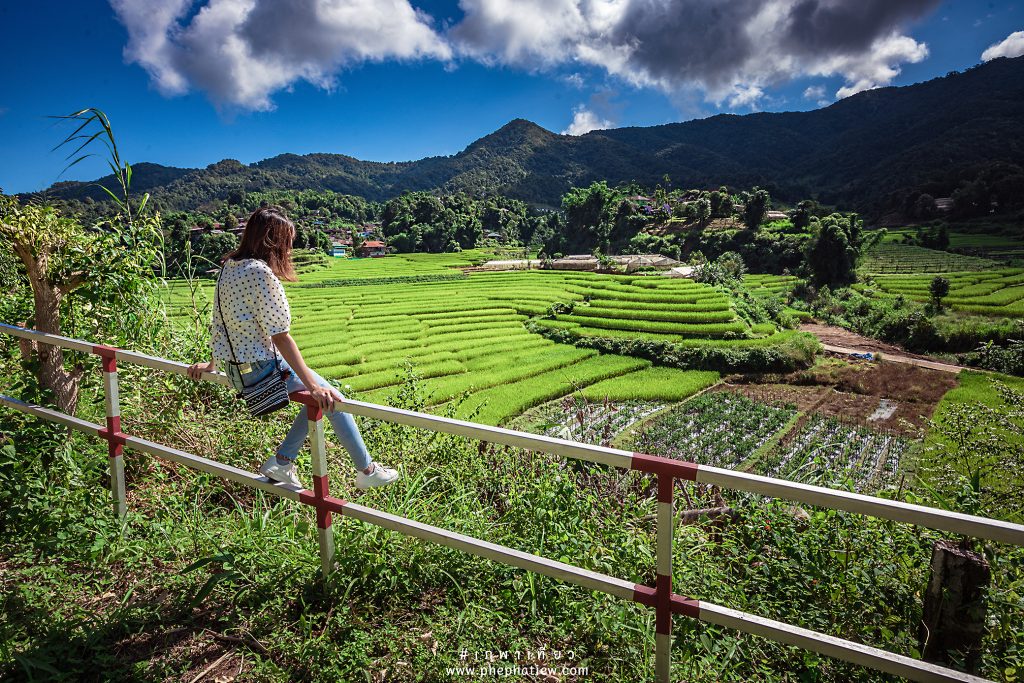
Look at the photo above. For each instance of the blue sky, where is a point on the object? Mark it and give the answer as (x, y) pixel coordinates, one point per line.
(442, 76)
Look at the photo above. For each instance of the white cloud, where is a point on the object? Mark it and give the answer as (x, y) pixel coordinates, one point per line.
(745, 96)
(817, 93)
(730, 52)
(240, 52)
(814, 92)
(584, 121)
(574, 79)
(1011, 46)
(878, 67)
(742, 47)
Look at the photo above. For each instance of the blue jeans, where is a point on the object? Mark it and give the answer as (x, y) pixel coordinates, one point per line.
(344, 426)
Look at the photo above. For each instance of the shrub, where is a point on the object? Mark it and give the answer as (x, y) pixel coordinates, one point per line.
(794, 352)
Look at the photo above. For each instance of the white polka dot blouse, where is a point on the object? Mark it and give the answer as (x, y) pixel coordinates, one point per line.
(255, 308)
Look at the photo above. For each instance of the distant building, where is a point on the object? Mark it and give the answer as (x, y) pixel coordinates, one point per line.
(776, 215)
(339, 250)
(373, 248)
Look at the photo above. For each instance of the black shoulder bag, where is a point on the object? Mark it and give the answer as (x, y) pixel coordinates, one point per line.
(268, 394)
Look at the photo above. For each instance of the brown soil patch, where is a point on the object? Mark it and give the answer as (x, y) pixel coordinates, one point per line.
(803, 397)
(852, 391)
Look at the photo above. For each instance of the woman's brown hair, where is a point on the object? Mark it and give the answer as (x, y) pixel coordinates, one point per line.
(268, 236)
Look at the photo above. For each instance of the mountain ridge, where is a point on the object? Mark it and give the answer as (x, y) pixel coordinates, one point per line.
(864, 152)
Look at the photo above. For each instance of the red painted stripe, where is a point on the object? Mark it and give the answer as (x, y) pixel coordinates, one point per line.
(320, 490)
(663, 605)
(645, 595)
(324, 505)
(107, 353)
(688, 607)
(115, 450)
(665, 487)
(321, 486)
(302, 396)
(104, 351)
(314, 413)
(658, 465)
(112, 432)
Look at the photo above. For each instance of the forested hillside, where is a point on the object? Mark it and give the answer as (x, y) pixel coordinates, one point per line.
(868, 152)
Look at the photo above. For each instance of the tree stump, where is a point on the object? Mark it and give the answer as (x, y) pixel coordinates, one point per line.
(953, 623)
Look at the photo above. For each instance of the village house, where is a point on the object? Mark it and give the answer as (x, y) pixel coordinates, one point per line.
(372, 248)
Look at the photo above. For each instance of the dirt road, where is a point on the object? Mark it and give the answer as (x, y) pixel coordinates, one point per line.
(838, 340)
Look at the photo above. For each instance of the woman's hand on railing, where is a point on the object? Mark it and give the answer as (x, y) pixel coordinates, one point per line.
(325, 397)
(196, 370)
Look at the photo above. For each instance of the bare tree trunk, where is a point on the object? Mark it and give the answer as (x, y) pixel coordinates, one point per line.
(52, 375)
(953, 623)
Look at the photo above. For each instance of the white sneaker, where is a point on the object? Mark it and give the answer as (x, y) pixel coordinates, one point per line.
(378, 476)
(285, 474)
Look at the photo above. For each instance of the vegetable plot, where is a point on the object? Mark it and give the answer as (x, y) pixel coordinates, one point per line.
(828, 453)
(694, 431)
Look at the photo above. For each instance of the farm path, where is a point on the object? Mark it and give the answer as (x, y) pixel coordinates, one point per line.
(839, 340)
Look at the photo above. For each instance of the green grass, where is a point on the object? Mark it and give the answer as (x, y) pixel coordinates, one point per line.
(976, 388)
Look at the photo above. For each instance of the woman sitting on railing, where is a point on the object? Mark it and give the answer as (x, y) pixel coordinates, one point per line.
(252, 325)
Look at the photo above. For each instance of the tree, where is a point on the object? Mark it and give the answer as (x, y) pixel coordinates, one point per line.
(925, 207)
(755, 208)
(805, 211)
(833, 253)
(589, 215)
(727, 270)
(702, 210)
(212, 247)
(101, 267)
(938, 289)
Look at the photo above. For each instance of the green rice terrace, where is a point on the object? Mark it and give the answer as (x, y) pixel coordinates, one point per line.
(906, 258)
(994, 292)
(465, 333)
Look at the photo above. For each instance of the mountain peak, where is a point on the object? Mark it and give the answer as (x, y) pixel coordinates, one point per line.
(517, 133)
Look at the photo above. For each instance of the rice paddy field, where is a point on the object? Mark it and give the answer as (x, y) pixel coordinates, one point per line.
(894, 258)
(368, 323)
(985, 244)
(995, 292)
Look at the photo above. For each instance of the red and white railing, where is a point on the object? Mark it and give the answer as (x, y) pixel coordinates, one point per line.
(659, 597)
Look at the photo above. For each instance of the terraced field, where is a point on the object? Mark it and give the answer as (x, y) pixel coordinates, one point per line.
(890, 258)
(991, 246)
(995, 292)
(365, 325)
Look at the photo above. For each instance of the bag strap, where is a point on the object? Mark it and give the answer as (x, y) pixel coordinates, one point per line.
(234, 359)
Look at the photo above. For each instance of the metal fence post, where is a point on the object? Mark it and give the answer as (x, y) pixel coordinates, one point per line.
(663, 585)
(318, 450)
(112, 433)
